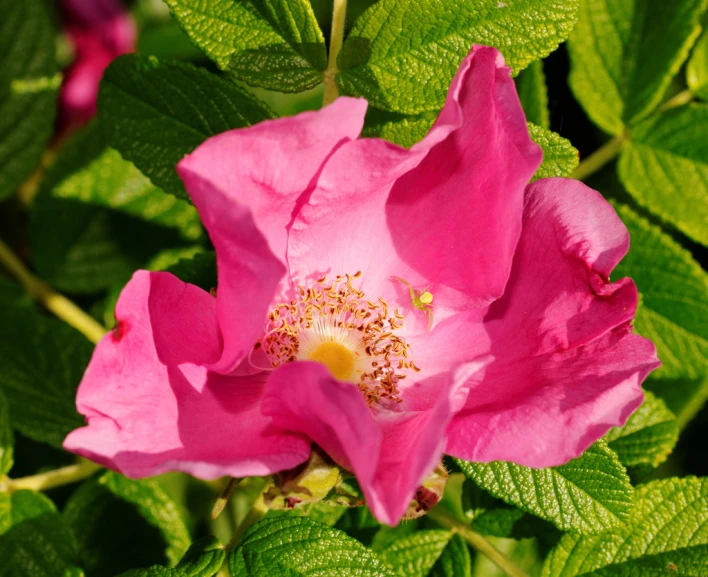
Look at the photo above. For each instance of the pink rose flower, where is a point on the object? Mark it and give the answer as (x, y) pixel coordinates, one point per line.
(99, 30)
(389, 305)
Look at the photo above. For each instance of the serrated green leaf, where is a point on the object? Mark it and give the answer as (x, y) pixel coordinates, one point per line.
(454, 561)
(41, 363)
(667, 516)
(81, 248)
(203, 558)
(401, 55)
(589, 494)
(531, 86)
(624, 54)
(647, 438)
(40, 547)
(93, 173)
(7, 440)
(112, 512)
(559, 156)
(298, 546)
(697, 69)
(415, 555)
(673, 313)
(686, 562)
(28, 88)
(22, 505)
(147, 111)
(664, 166)
(398, 128)
(275, 44)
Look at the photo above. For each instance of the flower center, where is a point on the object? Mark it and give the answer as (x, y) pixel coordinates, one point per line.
(337, 358)
(335, 324)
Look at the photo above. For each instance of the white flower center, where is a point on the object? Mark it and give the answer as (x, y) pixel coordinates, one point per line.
(333, 323)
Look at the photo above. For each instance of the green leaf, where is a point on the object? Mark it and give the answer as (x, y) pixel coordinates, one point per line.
(559, 156)
(398, 128)
(668, 516)
(401, 55)
(687, 562)
(112, 513)
(454, 561)
(22, 505)
(203, 558)
(647, 438)
(673, 313)
(147, 111)
(7, 440)
(664, 166)
(415, 555)
(93, 173)
(275, 44)
(697, 69)
(40, 547)
(298, 546)
(531, 86)
(41, 363)
(624, 53)
(28, 89)
(589, 494)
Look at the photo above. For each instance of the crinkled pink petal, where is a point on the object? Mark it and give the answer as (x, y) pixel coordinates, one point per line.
(411, 213)
(391, 452)
(270, 166)
(566, 366)
(246, 185)
(151, 405)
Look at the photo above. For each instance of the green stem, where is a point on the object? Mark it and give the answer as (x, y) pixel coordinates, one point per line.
(339, 14)
(599, 158)
(223, 499)
(256, 513)
(52, 301)
(55, 478)
(679, 100)
(477, 541)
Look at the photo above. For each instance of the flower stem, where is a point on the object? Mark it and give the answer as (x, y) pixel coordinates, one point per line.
(223, 499)
(55, 478)
(331, 90)
(599, 158)
(679, 100)
(477, 541)
(256, 513)
(52, 301)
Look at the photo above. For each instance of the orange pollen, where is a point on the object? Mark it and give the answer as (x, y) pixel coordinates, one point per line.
(333, 322)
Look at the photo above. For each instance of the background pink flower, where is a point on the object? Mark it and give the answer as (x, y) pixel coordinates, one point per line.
(99, 30)
(320, 237)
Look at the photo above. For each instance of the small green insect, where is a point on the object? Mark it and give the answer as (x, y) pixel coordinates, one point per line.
(422, 300)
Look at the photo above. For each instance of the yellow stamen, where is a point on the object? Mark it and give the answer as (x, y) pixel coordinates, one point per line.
(337, 358)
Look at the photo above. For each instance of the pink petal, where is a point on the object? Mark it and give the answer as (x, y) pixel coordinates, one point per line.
(151, 405)
(270, 166)
(390, 452)
(246, 185)
(567, 367)
(393, 212)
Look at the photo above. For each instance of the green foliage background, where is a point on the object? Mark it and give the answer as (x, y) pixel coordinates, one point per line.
(620, 84)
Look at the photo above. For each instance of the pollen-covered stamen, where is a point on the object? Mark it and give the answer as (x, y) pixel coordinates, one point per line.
(335, 324)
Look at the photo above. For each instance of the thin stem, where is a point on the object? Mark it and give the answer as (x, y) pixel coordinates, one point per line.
(223, 499)
(55, 478)
(52, 301)
(339, 14)
(679, 100)
(477, 541)
(599, 158)
(256, 513)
